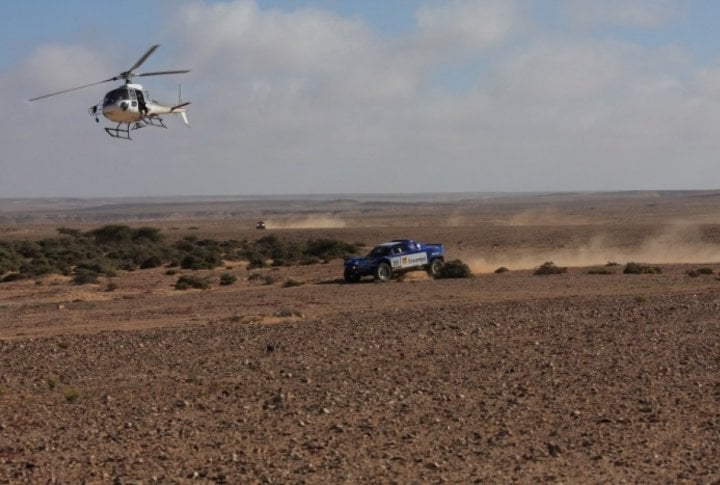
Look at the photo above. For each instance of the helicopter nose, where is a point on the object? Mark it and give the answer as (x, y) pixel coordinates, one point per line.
(124, 105)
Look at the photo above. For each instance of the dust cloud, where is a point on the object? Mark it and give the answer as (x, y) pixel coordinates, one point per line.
(676, 244)
(310, 222)
(548, 216)
(455, 220)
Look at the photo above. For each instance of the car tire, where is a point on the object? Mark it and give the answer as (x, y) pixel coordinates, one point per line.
(383, 272)
(434, 267)
(351, 277)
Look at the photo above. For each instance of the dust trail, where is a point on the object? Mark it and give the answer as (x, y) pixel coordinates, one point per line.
(548, 216)
(455, 220)
(676, 244)
(309, 222)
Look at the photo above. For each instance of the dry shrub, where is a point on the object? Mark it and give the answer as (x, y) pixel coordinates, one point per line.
(548, 267)
(694, 273)
(454, 269)
(291, 282)
(187, 282)
(227, 279)
(637, 268)
(288, 313)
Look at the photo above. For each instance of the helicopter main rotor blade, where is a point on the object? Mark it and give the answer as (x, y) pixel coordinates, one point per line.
(143, 58)
(159, 73)
(71, 89)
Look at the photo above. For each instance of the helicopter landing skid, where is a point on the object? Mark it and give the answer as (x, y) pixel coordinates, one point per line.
(153, 121)
(119, 132)
(122, 130)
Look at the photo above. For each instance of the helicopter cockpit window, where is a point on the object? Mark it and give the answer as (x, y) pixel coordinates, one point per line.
(116, 95)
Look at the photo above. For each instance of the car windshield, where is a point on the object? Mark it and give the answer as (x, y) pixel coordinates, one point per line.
(378, 251)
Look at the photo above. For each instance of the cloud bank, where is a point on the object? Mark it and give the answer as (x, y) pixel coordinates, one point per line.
(483, 95)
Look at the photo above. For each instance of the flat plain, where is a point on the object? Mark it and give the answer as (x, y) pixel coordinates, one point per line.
(589, 376)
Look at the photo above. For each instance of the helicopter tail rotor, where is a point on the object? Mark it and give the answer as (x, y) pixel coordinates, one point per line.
(180, 107)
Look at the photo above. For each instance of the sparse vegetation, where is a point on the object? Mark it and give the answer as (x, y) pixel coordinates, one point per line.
(694, 273)
(291, 282)
(110, 248)
(52, 381)
(637, 268)
(85, 276)
(454, 269)
(548, 268)
(501, 269)
(187, 282)
(72, 394)
(227, 279)
(288, 313)
(269, 279)
(601, 271)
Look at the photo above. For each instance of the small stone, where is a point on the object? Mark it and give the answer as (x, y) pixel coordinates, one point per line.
(554, 449)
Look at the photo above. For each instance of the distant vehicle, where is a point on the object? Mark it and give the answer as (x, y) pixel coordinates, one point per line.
(260, 225)
(129, 105)
(395, 257)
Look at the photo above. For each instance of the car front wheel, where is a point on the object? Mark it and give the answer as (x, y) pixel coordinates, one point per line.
(351, 276)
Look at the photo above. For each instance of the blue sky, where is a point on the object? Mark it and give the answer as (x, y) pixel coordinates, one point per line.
(486, 95)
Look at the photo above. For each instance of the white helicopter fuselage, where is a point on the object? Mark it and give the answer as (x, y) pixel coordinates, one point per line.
(130, 104)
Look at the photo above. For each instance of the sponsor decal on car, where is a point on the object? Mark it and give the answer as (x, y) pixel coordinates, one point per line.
(409, 260)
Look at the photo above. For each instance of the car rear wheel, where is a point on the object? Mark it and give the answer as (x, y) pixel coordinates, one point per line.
(435, 267)
(383, 272)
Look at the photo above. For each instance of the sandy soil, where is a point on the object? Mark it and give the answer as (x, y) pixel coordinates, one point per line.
(512, 377)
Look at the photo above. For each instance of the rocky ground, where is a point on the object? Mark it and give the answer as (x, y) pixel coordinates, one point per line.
(513, 377)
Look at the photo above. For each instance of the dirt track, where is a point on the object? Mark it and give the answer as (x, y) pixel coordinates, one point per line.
(571, 378)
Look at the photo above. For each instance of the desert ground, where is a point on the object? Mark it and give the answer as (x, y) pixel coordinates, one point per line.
(505, 377)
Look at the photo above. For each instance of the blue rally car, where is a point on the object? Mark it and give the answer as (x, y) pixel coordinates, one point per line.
(395, 257)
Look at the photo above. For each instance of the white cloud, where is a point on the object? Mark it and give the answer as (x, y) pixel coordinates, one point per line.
(630, 13)
(311, 101)
(467, 24)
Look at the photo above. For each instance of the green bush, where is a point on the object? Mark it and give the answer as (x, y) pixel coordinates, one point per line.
(187, 282)
(255, 262)
(112, 234)
(291, 282)
(694, 273)
(85, 276)
(112, 247)
(548, 268)
(326, 249)
(72, 394)
(454, 269)
(227, 279)
(637, 268)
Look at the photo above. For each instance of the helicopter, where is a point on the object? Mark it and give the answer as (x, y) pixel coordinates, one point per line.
(129, 105)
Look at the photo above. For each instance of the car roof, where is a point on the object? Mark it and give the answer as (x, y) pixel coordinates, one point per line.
(395, 242)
